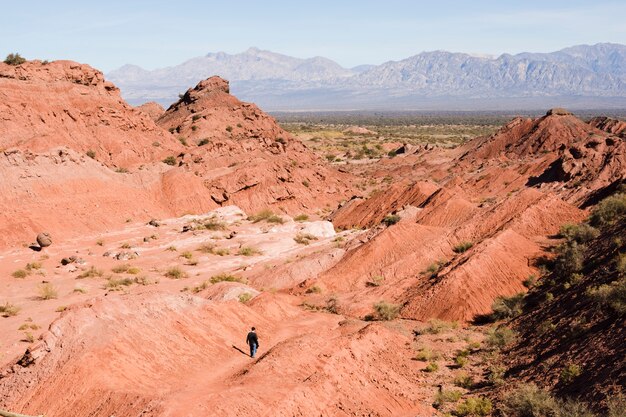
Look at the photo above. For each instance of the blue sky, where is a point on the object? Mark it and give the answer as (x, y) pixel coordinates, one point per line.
(156, 33)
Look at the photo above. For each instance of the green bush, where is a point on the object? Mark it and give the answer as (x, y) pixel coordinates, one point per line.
(569, 260)
(203, 142)
(14, 59)
(463, 380)
(581, 233)
(447, 396)
(386, 311)
(609, 210)
(570, 373)
(500, 336)
(304, 238)
(8, 310)
(530, 401)
(474, 407)
(249, 251)
(301, 218)
(170, 160)
(175, 273)
(432, 367)
(612, 295)
(266, 215)
(225, 278)
(462, 247)
(391, 219)
(507, 307)
(245, 297)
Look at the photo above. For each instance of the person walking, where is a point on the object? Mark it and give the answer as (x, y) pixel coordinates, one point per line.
(253, 341)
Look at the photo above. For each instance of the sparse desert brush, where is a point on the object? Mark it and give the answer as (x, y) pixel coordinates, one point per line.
(432, 367)
(447, 396)
(60, 309)
(28, 337)
(570, 373)
(612, 295)
(462, 247)
(115, 284)
(226, 277)
(20, 273)
(249, 251)
(463, 380)
(28, 326)
(301, 218)
(170, 160)
(474, 406)
(200, 287)
(433, 269)
(332, 305)
(182, 141)
(186, 255)
(266, 215)
(207, 248)
(32, 266)
(171, 248)
(203, 142)
(386, 311)
(460, 361)
(436, 326)
(121, 170)
(391, 219)
(314, 290)
(120, 269)
(144, 280)
(609, 210)
(214, 225)
(8, 310)
(47, 291)
(175, 273)
(245, 297)
(507, 307)
(500, 336)
(14, 59)
(375, 281)
(581, 233)
(221, 251)
(304, 238)
(100, 242)
(92, 272)
(80, 290)
(495, 375)
(426, 354)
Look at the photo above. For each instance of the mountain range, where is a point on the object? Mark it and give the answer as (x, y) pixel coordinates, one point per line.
(583, 76)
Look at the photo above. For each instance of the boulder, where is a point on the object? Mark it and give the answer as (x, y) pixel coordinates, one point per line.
(44, 239)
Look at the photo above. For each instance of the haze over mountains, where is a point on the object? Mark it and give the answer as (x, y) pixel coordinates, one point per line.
(578, 77)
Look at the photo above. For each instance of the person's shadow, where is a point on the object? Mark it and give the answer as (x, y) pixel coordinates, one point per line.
(236, 348)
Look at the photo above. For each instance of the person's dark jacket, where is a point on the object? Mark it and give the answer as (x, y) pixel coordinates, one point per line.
(252, 338)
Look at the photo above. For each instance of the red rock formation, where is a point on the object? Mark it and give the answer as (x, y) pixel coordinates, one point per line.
(152, 109)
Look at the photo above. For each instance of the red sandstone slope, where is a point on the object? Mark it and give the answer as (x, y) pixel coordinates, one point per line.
(609, 125)
(243, 157)
(63, 103)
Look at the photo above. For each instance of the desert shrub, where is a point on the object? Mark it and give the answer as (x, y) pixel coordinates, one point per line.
(461, 359)
(195, 117)
(612, 295)
(436, 326)
(79, 290)
(214, 225)
(225, 277)
(314, 290)
(500, 336)
(462, 247)
(8, 309)
(425, 355)
(376, 281)
(170, 160)
(463, 380)
(391, 219)
(580, 233)
(474, 407)
(144, 280)
(433, 269)
(221, 251)
(156, 144)
(92, 272)
(495, 375)
(125, 245)
(570, 373)
(245, 297)
(47, 291)
(133, 270)
(229, 128)
(120, 269)
(569, 260)
(249, 251)
(20, 273)
(530, 282)
(386, 311)
(620, 264)
(332, 305)
(207, 248)
(91, 154)
(117, 283)
(616, 406)
(530, 401)
(432, 367)
(266, 215)
(183, 141)
(447, 396)
(186, 254)
(171, 248)
(175, 273)
(202, 286)
(306, 183)
(28, 337)
(507, 307)
(60, 309)
(608, 210)
(203, 142)
(14, 59)
(301, 218)
(121, 170)
(304, 238)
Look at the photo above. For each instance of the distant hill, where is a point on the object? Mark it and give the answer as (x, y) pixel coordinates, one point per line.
(581, 76)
